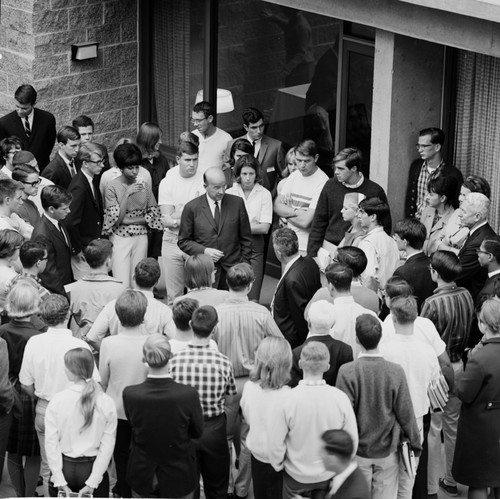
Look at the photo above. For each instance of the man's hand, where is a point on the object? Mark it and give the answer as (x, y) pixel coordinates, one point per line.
(86, 490)
(214, 254)
(65, 489)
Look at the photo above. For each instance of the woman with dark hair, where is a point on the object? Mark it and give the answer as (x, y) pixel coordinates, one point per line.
(239, 148)
(259, 206)
(442, 202)
(80, 431)
(10, 243)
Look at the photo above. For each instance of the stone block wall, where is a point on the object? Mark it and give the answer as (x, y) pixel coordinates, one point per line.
(35, 42)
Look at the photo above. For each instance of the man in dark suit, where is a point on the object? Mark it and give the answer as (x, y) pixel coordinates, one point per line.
(268, 151)
(49, 230)
(62, 168)
(217, 225)
(474, 215)
(488, 256)
(298, 283)
(86, 128)
(410, 235)
(34, 127)
(84, 222)
(162, 451)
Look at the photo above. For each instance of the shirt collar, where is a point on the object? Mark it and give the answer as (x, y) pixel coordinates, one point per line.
(312, 382)
(251, 140)
(343, 299)
(449, 286)
(495, 272)
(159, 376)
(88, 177)
(365, 354)
(53, 221)
(414, 254)
(357, 184)
(58, 330)
(290, 263)
(67, 161)
(477, 227)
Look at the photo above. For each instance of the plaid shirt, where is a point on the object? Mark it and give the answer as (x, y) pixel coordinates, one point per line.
(207, 370)
(423, 180)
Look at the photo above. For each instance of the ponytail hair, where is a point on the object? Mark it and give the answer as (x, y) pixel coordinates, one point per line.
(80, 363)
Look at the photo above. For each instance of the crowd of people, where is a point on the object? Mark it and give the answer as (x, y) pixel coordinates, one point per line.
(136, 358)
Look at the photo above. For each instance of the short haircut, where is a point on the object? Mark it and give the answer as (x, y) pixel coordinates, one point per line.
(97, 252)
(8, 143)
(204, 321)
(32, 252)
(240, 145)
(188, 136)
(23, 300)
(339, 276)
(286, 241)
(26, 94)
(147, 272)
(54, 310)
(475, 183)
(55, 196)
(314, 357)
(67, 133)
(198, 271)
(272, 364)
(249, 161)
(490, 314)
(375, 206)
(156, 351)
(182, 313)
(352, 157)
(130, 308)
(22, 171)
(445, 185)
(321, 315)
(354, 258)
(148, 136)
(492, 246)
(82, 121)
(338, 442)
(404, 309)
(446, 264)
(187, 147)
(437, 135)
(8, 188)
(307, 147)
(10, 241)
(239, 276)
(86, 150)
(479, 204)
(204, 107)
(22, 157)
(251, 115)
(127, 155)
(397, 286)
(368, 331)
(413, 231)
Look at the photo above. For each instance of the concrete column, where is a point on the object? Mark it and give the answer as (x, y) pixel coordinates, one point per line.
(407, 96)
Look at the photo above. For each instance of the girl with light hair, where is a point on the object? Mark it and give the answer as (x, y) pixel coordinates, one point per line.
(349, 210)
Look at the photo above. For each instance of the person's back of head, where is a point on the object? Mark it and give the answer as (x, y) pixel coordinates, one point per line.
(273, 362)
(321, 315)
(412, 231)
(240, 277)
(397, 286)
(147, 273)
(21, 172)
(8, 189)
(286, 242)
(489, 316)
(54, 196)
(446, 264)
(314, 358)
(204, 321)
(368, 331)
(475, 183)
(10, 241)
(189, 137)
(23, 157)
(199, 271)
(156, 351)
(31, 253)
(353, 258)
(130, 308)
(339, 276)
(404, 310)
(182, 313)
(22, 301)
(54, 310)
(338, 450)
(97, 252)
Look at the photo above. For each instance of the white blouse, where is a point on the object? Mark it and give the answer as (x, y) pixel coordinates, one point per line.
(259, 203)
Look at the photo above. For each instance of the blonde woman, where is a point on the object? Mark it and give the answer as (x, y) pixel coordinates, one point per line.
(349, 210)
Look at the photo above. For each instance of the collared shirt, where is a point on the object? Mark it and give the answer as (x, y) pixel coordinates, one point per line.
(59, 227)
(34, 280)
(43, 362)
(339, 479)
(30, 120)
(285, 270)
(15, 222)
(365, 354)
(71, 170)
(413, 254)
(243, 324)
(6, 172)
(495, 272)
(256, 145)
(211, 205)
(477, 227)
(63, 433)
(90, 180)
(357, 184)
(210, 372)
(259, 204)
(312, 382)
(425, 175)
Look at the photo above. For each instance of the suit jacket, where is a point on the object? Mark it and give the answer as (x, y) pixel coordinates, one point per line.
(293, 293)
(355, 487)
(488, 289)
(165, 417)
(42, 137)
(57, 171)
(84, 223)
(58, 271)
(416, 272)
(473, 276)
(197, 230)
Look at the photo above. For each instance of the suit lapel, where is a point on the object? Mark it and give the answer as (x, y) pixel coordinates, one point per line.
(53, 229)
(205, 208)
(224, 208)
(263, 150)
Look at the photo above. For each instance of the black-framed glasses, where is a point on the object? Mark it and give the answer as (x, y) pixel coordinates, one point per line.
(36, 183)
(98, 162)
(479, 251)
(423, 146)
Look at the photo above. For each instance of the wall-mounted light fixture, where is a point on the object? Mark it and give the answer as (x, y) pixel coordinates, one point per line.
(84, 51)
(225, 102)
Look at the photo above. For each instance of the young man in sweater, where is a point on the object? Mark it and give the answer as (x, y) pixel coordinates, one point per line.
(379, 393)
(311, 408)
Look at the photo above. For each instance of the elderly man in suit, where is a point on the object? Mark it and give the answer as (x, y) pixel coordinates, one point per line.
(298, 283)
(36, 128)
(217, 225)
(62, 167)
(84, 221)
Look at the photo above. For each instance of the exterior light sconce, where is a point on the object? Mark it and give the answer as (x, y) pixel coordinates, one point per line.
(225, 102)
(84, 51)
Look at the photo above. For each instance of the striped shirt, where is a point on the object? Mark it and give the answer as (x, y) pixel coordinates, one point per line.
(243, 324)
(210, 372)
(451, 309)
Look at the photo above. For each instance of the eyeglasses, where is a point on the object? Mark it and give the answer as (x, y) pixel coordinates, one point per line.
(36, 183)
(479, 251)
(423, 146)
(98, 162)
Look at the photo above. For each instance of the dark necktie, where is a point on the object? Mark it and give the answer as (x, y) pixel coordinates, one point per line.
(63, 234)
(27, 127)
(217, 215)
(72, 168)
(254, 142)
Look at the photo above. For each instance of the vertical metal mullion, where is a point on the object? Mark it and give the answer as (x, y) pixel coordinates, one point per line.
(210, 52)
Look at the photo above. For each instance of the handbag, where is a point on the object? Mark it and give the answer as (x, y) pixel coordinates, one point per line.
(438, 393)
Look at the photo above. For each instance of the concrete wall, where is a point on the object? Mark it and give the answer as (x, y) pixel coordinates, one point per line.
(35, 41)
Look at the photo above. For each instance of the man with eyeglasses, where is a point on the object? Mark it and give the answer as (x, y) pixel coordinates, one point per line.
(213, 140)
(84, 222)
(30, 180)
(429, 165)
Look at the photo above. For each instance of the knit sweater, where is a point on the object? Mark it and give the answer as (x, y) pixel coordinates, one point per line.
(379, 394)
